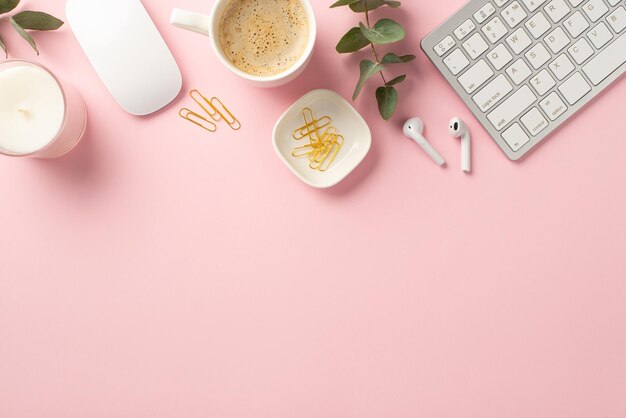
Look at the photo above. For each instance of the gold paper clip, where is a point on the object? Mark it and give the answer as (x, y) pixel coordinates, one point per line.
(305, 131)
(319, 158)
(196, 119)
(305, 150)
(200, 100)
(335, 148)
(311, 126)
(327, 135)
(224, 113)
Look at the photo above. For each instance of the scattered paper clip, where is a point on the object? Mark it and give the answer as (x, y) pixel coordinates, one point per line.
(201, 100)
(214, 108)
(323, 146)
(196, 119)
(226, 115)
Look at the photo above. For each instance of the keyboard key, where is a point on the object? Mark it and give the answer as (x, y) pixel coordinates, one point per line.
(553, 106)
(534, 121)
(456, 61)
(515, 137)
(576, 24)
(575, 3)
(557, 10)
(519, 71)
(562, 67)
(617, 19)
(537, 56)
(595, 9)
(581, 51)
(485, 12)
(613, 2)
(501, 3)
(533, 5)
(542, 82)
(519, 40)
(475, 76)
(538, 25)
(475, 45)
(607, 61)
(464, 29)
(514, 14)
(574, 88)
(444, 46)
(494, 30)
(492, 93)
(512, 107)
(600, 35)
(499, 56)
(557, 40)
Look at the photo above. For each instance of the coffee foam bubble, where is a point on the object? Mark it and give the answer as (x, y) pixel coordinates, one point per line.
(264, 37)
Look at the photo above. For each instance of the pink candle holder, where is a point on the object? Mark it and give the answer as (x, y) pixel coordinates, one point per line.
(17, 132)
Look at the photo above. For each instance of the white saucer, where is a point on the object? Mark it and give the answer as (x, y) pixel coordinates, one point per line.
(356, 133)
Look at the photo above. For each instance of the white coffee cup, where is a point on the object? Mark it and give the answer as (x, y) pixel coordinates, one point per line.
(208, 25)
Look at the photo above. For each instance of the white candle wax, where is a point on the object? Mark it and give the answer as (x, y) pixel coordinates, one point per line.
(40, 116)
(32, 109)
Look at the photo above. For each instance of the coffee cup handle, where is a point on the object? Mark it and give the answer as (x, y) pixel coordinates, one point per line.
(195, 22)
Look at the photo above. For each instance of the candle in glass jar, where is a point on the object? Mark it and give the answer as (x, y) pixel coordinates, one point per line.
(39, 116)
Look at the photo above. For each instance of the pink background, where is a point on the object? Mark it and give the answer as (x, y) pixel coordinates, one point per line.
(160, 271)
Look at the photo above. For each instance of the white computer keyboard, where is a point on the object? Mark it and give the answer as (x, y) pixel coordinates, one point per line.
(524, 67)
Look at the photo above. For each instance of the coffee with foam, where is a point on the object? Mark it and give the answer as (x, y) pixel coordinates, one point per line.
(264, 37)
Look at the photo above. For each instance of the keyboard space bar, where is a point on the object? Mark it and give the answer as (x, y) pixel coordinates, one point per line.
(606, 61)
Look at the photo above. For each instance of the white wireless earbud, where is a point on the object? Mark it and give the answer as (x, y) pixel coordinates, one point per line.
(458, 129)
(414, 128)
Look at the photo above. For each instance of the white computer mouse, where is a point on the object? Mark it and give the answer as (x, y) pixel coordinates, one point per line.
(127, 51)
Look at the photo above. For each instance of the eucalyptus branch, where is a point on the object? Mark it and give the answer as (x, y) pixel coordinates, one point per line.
(26, 20)
(385, 31)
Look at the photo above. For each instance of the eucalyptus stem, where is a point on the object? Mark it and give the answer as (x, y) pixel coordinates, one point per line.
(367, 20)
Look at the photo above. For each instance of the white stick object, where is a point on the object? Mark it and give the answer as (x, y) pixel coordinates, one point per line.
(458, 129)
(414, 129)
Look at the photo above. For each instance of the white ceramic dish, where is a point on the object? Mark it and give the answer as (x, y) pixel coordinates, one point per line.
(349, 123)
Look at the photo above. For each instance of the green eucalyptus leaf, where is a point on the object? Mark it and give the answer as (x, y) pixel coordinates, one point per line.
(4, 48)
(8, 5)
(368, 68)
(387, 98)
(352, 41)
(343, 3)
(37, 21)
(385, 31)
(392, 58)
(24, 34)
(397, 80)
(363, 6)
